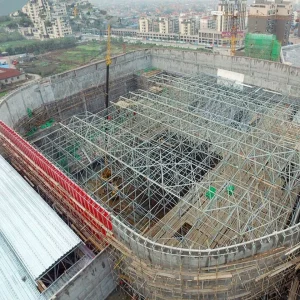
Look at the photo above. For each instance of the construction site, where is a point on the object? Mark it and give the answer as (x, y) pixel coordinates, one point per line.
(187, 182)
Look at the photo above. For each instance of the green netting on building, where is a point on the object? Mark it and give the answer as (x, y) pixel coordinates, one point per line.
(262, 46)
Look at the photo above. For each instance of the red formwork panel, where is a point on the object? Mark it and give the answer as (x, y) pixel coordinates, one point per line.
(87, 207)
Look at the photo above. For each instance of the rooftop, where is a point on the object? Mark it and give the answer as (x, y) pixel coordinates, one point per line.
(35, 233)
(8, 73)
(291, 55)
(15, 281)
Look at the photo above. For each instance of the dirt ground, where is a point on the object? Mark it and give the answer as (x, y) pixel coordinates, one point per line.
(59, 61)
(63, 60)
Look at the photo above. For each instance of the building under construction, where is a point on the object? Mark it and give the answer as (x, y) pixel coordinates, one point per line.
(189, 179)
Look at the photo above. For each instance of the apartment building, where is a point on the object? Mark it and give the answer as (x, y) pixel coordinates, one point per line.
(188, 25)
(162, 25)
(215, 30)
(297, 21)
(34, 8)
(149, 24)
(168, 25)
(36, 11)
(144, 24)
(173, 23)
(271, 17)
(50, 19)
(58, 17)
(226, 9)
(207, 22)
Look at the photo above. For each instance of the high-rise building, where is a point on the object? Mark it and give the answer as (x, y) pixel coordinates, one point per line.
(271, 17)
(226, 9)
(207, 22)
(216, 30)
(144, 24)
(173, 23)
(297, 21)
(188, 25)
(58, 17)
(149, 24)
(168, 24)
(50, 20)
(163, 25)
(36, 11)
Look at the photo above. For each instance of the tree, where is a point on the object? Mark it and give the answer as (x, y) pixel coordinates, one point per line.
(39, 47)
(25, 22)
(21, 14)
(10, 50)
(12, 25)
(4, 19)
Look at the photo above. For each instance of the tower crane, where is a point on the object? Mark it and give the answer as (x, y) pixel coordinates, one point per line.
(107, 171)
(108, 63)
(234, 28)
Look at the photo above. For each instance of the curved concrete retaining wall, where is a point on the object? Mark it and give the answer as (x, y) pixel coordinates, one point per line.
(269, 75)
(14, 106)
(266, 74)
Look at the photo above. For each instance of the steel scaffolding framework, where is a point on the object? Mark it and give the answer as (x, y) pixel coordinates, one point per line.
(195, 162)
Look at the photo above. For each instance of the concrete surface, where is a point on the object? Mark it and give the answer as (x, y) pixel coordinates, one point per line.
(266, 74)
(291, 55)
(94, 282)
(118, 295)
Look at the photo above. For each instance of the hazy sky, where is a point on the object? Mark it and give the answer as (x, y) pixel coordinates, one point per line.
(8, 6)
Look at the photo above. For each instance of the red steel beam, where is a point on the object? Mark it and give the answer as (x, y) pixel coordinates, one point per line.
(91, 212)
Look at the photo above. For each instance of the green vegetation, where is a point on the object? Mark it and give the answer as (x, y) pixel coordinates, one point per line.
(4, 19)
(83, 54)
(64, 60)
(2, 94)
(4, 23)
(10, 36)
(61, 61)
(15, 45)
(12, 39)
(12, 23)
(37, 47)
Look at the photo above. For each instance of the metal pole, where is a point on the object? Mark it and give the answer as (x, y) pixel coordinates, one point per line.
(107, 86)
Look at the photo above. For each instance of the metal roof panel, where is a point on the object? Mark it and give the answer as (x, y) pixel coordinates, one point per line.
(37, 234)
(15, 282)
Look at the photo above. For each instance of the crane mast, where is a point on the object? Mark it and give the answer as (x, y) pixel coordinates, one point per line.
(234, 28)
(108, 62)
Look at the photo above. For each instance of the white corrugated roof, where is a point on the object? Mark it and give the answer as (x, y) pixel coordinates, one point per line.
(35, 232)
(291, 54)
(15, 282)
